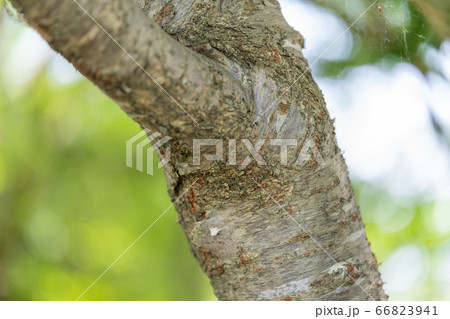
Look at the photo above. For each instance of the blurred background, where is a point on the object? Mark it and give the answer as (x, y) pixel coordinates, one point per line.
(69, 206)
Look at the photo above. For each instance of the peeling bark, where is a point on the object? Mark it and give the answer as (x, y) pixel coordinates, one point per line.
(272, 232)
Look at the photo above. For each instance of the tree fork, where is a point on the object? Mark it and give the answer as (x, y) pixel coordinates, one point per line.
(230, 70)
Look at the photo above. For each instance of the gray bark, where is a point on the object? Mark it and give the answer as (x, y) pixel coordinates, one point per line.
(286, 232)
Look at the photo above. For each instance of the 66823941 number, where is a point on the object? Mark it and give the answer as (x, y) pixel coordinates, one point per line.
(406, 310)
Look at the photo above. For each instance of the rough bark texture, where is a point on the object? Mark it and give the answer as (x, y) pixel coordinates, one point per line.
(285, 232)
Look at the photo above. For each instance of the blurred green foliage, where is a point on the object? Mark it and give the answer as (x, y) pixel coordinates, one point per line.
(69, 206)
(391, 31)
(394, 223)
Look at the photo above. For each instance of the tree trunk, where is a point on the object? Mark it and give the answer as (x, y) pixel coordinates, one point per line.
(230, 70)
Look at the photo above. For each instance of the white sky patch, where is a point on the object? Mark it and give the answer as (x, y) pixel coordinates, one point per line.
(403, 270)
(62, 72)
(311, 21)
(28, 54)
(383, 126)
(438, 96)
(440, 273)
(439, 59)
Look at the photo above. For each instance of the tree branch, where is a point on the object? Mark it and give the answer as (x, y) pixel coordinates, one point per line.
(160, 83)
(240, 72)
